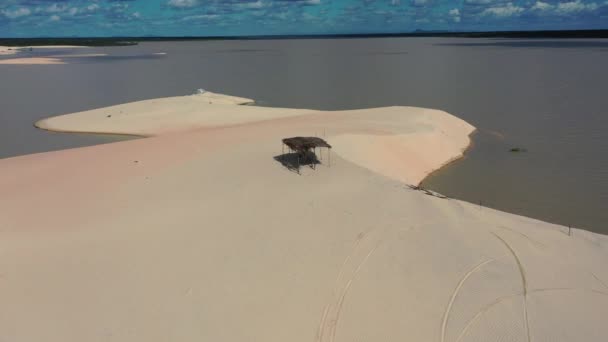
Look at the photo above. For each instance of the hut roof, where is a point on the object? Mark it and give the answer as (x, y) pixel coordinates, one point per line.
(305, 143)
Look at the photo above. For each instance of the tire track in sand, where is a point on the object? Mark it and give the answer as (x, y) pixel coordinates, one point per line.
(448, 309)
(363, 249)
(524, 283)
(499, 300)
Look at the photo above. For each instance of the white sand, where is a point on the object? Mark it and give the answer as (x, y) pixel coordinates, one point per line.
(57, 47)
(32, 61)
(6, 50)
(162, 116)
(385, 140)
(202, 236)
(82, 55)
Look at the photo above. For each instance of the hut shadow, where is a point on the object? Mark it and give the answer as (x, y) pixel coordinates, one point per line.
(291, 163)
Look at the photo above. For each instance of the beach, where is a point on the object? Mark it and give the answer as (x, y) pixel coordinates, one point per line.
(31, 61)
(15, 51)
(6, 50)
(198, 231)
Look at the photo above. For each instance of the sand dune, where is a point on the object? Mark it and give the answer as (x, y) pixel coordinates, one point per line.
(162, 116)
(198, 233)
(386, 140)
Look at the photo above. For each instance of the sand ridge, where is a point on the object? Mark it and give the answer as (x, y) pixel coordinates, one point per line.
(405, 143)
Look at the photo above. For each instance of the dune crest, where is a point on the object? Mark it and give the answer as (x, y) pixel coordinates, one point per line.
(404, 143)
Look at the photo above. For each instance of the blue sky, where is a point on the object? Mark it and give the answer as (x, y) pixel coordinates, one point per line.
(32, 18)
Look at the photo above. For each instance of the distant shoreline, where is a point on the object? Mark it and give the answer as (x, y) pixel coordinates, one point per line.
(64, 42)
(128, 41)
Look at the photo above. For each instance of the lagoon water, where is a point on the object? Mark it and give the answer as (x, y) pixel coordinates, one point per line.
(547, 96)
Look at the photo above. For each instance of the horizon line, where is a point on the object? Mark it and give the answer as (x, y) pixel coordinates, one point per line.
(578, 33)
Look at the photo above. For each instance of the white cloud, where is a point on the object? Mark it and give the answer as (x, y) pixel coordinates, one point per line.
(19, 12)
(455, 14)
(564, 8)
(575, 7)
(65, 10)
(55, 8)
(419, 2)
(542, 6)
(182, 3)
(256, 4)
(479, 2)
(503, 11)
(55, 17)
(200, 17)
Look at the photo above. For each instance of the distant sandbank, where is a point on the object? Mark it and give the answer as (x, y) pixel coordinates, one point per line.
(19, 59)
(31, 61)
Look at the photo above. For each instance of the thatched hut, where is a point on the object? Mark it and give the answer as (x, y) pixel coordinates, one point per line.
(305, 148)
(305, 144)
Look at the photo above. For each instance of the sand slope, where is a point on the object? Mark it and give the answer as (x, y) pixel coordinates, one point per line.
(203, 235)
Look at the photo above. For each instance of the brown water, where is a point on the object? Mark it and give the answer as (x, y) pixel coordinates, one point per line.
(544, 95)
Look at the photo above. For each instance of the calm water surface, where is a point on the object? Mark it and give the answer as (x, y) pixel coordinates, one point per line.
(544, 95)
